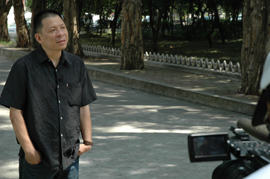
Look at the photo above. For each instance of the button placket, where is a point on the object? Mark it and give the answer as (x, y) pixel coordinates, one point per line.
(59, 103)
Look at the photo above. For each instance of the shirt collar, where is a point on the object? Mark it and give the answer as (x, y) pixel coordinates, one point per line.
(42, 56)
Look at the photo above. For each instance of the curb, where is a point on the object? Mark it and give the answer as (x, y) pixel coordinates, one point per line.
(13, 54)
(184, 68)
(216, 101)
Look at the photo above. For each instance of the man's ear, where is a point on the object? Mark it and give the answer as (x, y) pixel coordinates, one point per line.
(38, 38)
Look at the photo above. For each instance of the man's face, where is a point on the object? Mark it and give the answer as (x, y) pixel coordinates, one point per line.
(54, 34)
(267, 122)
(268, 108)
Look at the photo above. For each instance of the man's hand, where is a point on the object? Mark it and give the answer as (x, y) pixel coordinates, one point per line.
(33, 158)
(84, 148)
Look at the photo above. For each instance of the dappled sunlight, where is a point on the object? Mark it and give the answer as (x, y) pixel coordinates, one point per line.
(155, 108)
(4, 112)
(9, 169)
(146, 127)
(141, 171)
(146, 109)
(214, 51)
(98, 64)
(115, 137)
(223, 81)
(6, 127)
(108, 95)
(5, 123)
(170, 165)
(5, 71)
(86, 162)
(2, 83)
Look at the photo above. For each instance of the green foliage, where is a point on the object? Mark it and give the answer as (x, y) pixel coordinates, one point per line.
(147, 34)
(8, 44)
(145, 25)
(231, 29)
(55, 5)
(28, 5)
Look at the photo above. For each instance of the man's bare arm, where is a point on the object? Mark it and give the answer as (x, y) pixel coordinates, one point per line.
(86, 128)
(32, 156)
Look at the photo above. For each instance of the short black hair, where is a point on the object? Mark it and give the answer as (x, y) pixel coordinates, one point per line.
(42, 15)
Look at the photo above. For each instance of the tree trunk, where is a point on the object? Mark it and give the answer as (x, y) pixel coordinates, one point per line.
(172, 21)
(100, 25)
(131, 39)
(155, 26)
(218, 22)
(4, 10)
(208, 37)
(256, 43)
(21, 26)
(213, 6)
(71, 12)
(36, 8)
(116, 15)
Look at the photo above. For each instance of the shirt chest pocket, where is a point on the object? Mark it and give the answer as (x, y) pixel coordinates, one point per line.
(74, 92)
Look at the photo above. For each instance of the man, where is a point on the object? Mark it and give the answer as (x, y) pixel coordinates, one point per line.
(261, 113)
(48, 92)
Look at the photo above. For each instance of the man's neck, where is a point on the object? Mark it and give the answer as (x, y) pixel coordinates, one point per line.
(54, 56)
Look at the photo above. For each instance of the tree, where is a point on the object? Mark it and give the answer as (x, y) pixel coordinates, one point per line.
(118, 8)
(157, 9)
(71, 18)
(21, 26)
(4, 10)
(255, 45)
(131, 39)
(55, 5)
(36, 7)
(213, 6)
(233, 9)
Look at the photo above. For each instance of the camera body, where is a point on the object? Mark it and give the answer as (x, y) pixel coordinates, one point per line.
(241, 156)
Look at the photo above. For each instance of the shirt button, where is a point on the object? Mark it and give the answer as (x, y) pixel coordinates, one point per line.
(61, 118)
(61, 135)
(57, 86)
(59, 101)
(55, 70)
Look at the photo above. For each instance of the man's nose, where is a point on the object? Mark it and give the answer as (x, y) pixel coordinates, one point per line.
(60, 32)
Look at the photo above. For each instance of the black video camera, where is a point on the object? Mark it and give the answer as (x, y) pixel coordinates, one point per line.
(241, 156)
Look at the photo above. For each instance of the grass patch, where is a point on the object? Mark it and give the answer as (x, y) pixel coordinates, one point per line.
(7, 44)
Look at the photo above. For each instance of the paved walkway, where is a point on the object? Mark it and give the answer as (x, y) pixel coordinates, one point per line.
(137, 135)
(175, 82)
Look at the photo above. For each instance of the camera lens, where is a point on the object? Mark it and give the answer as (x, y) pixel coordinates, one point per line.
(233, 169)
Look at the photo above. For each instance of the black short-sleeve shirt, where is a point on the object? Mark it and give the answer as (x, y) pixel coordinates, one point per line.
(50, 99)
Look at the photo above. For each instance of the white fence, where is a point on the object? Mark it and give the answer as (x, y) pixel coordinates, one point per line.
(170, 59)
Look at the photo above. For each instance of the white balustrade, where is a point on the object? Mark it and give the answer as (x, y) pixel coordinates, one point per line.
(173, 59)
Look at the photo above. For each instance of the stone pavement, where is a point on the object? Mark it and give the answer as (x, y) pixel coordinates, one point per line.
(213, 89)
(138, 134)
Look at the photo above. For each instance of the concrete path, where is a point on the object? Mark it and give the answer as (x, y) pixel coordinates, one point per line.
(136, 134)
(179, 82)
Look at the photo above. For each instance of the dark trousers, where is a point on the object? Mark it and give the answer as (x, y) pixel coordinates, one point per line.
(39, 171)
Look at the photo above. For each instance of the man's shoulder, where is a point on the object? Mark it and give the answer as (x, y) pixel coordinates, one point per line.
(73, 58)
(25, 59)
(68, 54)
